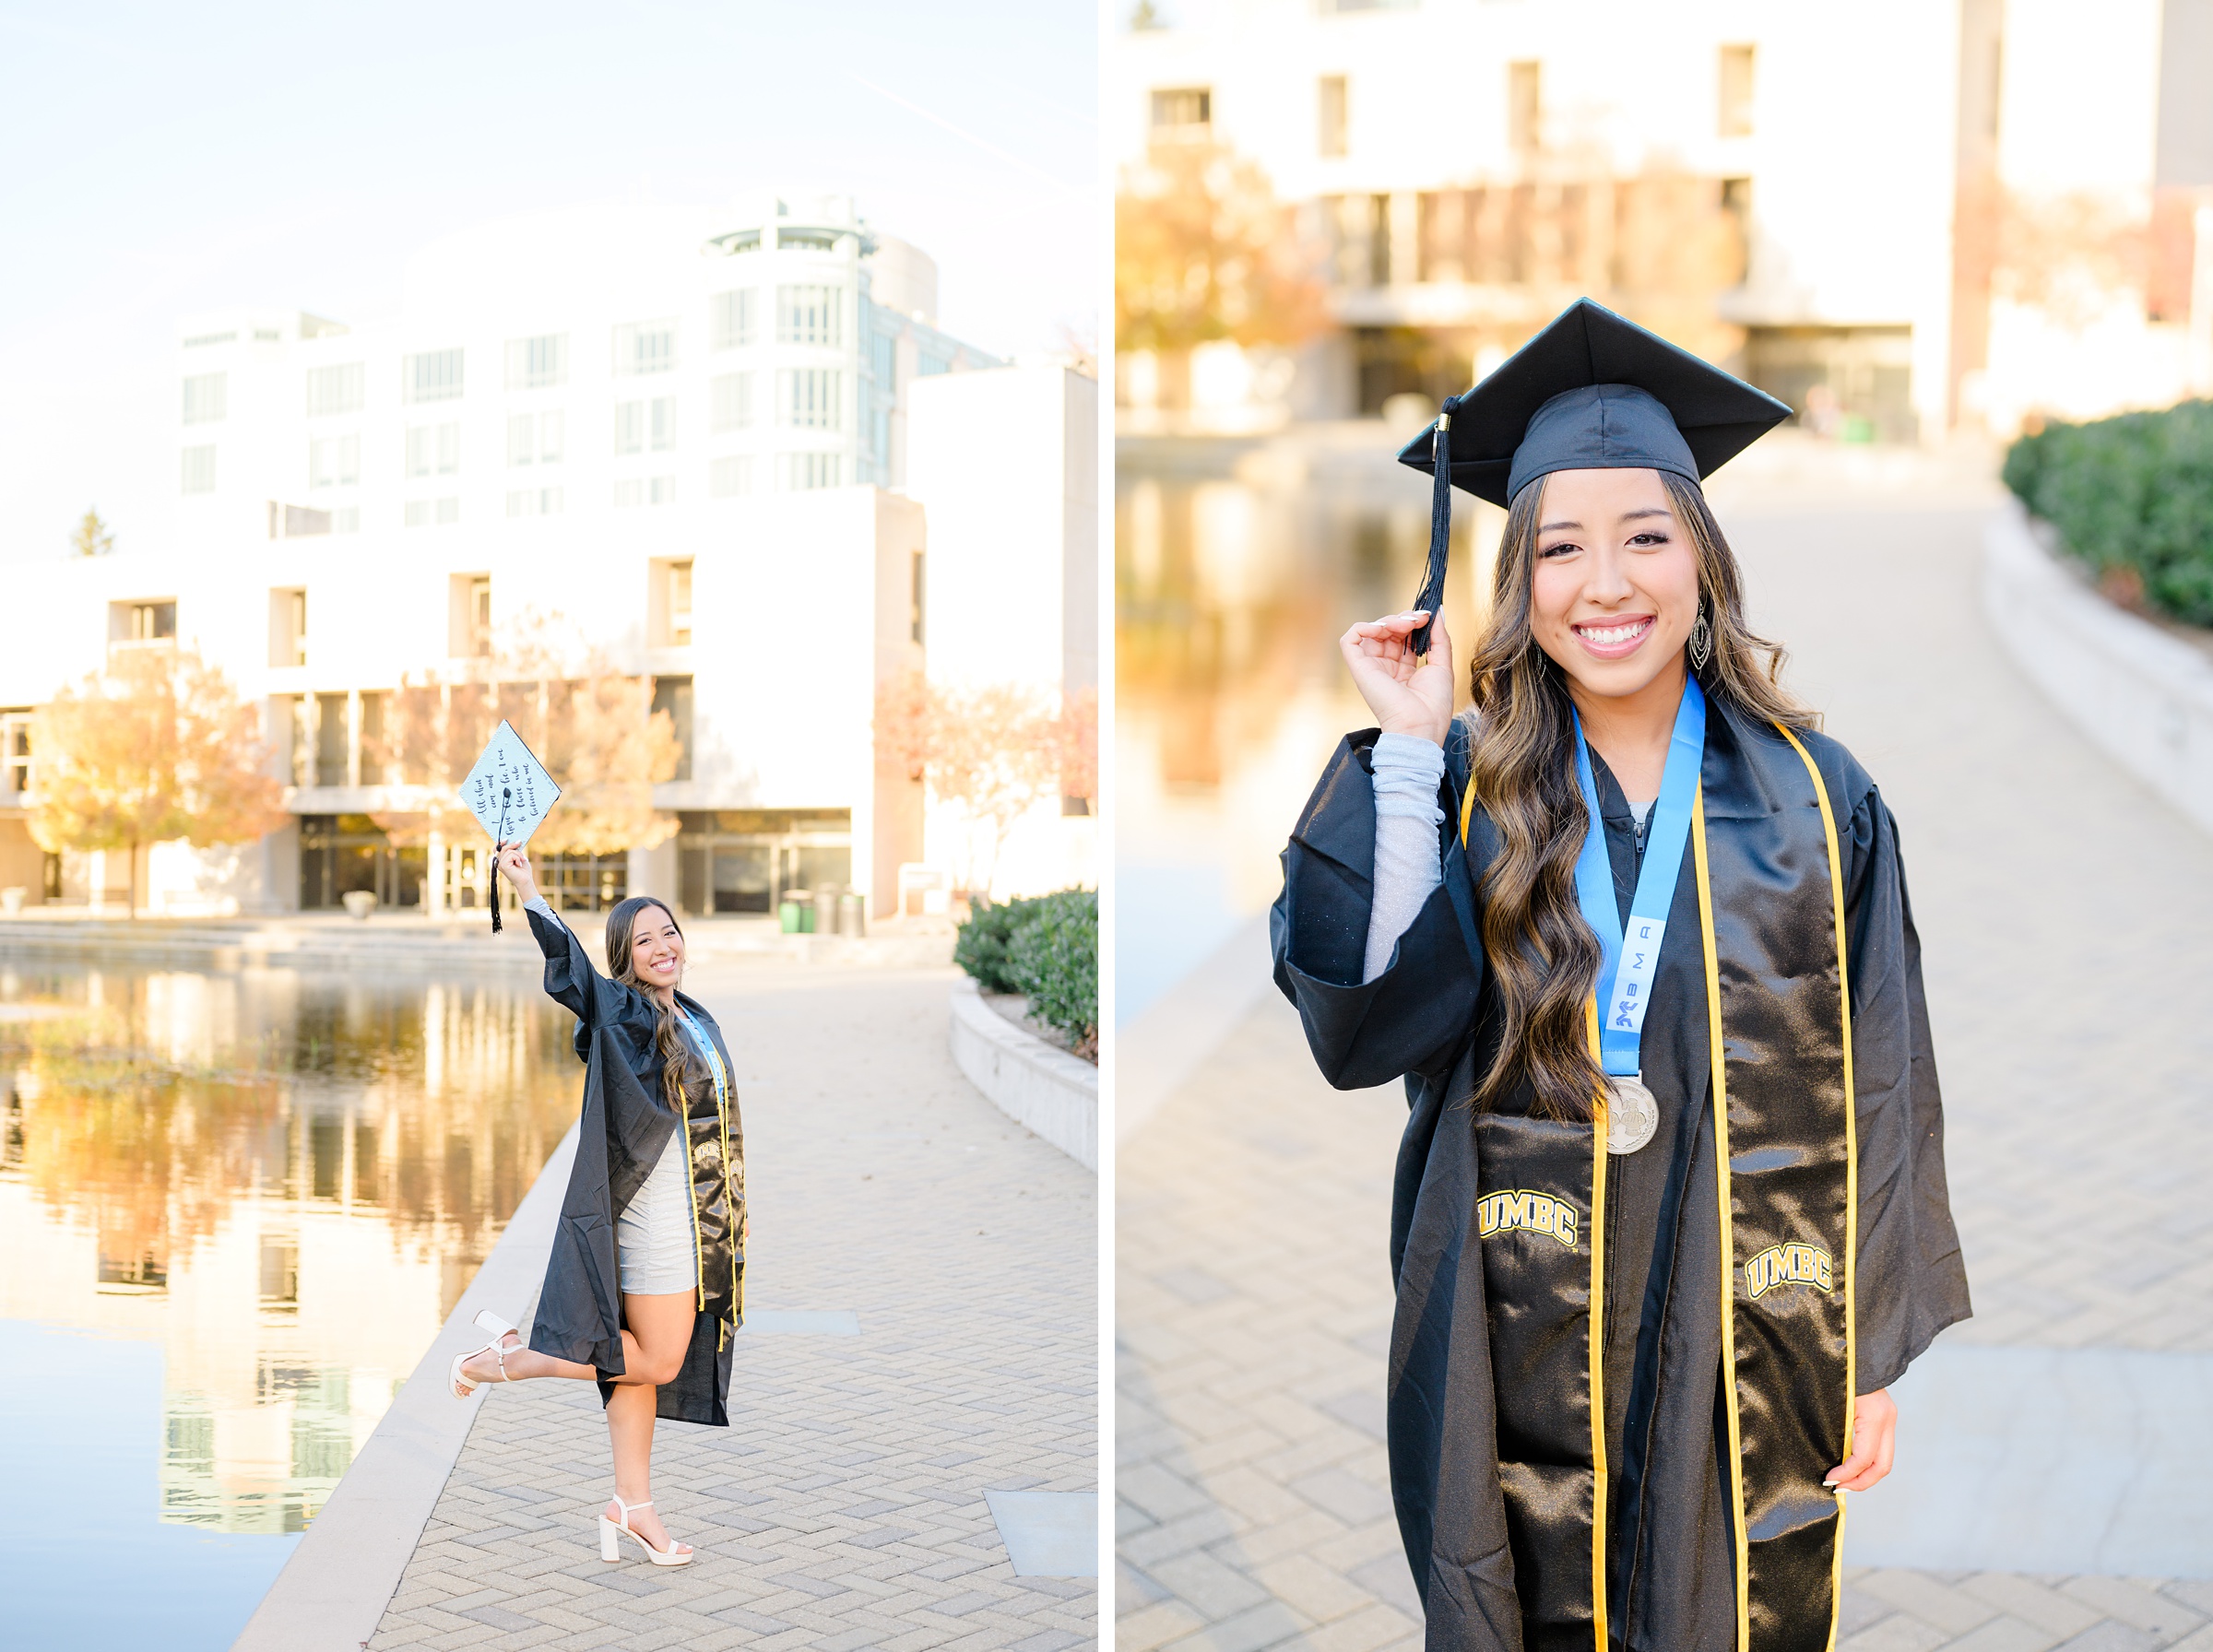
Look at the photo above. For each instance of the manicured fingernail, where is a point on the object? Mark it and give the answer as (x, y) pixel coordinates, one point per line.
(1828, 1485)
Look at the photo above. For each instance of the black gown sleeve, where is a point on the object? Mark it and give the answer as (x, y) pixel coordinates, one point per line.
(1418, 1015)
(572, 982)
(1910, 1281)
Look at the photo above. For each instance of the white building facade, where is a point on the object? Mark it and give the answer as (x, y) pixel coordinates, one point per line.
(1846, 209)
(678, 437)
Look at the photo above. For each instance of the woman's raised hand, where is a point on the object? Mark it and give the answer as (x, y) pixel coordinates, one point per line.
(1408, 695)
(515, 862)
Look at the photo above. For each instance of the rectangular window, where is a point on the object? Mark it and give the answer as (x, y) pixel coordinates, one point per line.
(629, 491)
(929, 363)
(661, 490)
(203, 397)
(663, 423)
(919, 582)
(730, 477)
(346, 519)
(199, 469)
(1524, 110)
(533, 502)
(434, 450)
(1183, 108)
(334, 461)
(538, 363)
(288, 627)
(646, 347)
(429, 512)
(630, 426)
(533, 438)
(730, 402)
(811, 315)
(336, 389)
(449, 512)
(805, 472)
(143, 619)
(434, 376)
(1330, 117)
(672, 696)
(416, 513)
(884, 360)
(810, 398)
(479, 615)
(14, 749)
(731, 319)
(679, 604)
(1736, 91)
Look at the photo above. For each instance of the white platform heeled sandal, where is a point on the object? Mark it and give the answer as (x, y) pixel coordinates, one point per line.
(610, 1549)
(498, 1330)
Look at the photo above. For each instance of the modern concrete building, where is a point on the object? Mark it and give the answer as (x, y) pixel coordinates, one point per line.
(1899, 219)
(678, 438)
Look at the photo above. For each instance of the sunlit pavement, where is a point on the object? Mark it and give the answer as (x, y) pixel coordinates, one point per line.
(843, 1507)
(2059, 908)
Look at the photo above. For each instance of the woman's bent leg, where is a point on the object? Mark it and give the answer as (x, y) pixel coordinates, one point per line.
(659, 1332)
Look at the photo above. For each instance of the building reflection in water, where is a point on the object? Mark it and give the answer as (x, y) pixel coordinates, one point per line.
(285, 1179)
(1238, 563)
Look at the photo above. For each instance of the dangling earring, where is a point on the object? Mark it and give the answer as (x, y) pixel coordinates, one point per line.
(1701, 641)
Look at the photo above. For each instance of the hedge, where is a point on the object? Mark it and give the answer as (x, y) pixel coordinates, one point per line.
(1047, 950)
(2131, 495)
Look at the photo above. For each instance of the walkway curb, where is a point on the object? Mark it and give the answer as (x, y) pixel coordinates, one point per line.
(2142, 696)
(1047, 1091)
(1164, 1043)
(334, 1591)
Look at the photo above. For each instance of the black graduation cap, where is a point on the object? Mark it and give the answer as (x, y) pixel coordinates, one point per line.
(1593, 391)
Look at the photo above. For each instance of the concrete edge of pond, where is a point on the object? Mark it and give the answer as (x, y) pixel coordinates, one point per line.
(333, 1592)
(1049, 1092)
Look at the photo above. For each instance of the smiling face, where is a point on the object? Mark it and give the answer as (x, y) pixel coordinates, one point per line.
(1614, 587)
(656, 948)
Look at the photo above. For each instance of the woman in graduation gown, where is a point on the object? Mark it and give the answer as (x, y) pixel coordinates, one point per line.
(1670, 1211)
(647, 1280)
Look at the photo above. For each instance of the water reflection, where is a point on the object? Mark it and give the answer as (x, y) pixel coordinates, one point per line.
(1237, 564)
(283, 1179)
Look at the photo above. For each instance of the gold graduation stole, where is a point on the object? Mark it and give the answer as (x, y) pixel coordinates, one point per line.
(1779, 1012)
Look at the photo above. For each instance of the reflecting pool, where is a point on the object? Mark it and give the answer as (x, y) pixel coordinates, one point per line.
(1238, 563)
(234, 1210)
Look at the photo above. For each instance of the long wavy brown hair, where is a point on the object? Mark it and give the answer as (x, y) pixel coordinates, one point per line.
(675, 1050)
(1540, 950)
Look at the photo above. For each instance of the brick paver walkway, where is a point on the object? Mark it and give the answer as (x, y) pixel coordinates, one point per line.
(2058, 904)
(844, 1508)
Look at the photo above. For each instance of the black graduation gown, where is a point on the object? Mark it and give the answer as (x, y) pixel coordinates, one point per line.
(1432, 1016)
(626, 1125)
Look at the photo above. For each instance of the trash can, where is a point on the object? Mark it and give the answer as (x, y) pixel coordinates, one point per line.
(853, 916)
(789, 916)
(825, 908)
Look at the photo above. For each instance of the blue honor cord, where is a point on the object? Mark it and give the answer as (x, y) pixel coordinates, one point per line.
(1629, 961)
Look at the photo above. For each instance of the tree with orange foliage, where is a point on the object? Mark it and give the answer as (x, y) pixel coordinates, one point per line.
(593, 727)
(1202, 250)
(990, 753)
(157, 747)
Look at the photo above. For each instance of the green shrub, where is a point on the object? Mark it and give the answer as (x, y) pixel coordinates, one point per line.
(981, 946)
(2133, 492)
(1046, 949)
(1056, 957)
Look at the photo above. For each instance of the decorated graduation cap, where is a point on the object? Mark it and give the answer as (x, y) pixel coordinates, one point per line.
(510, 792)
(1593, 391)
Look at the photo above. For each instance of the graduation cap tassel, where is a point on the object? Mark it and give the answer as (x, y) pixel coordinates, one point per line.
(1441, 526)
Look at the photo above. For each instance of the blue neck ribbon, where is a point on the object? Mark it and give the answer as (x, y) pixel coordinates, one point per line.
(1630, 961)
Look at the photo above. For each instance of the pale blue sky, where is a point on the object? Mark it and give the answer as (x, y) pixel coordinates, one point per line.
(160, 158)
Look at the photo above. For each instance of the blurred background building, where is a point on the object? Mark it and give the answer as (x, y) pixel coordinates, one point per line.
(1902, 220)
(695, 443)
